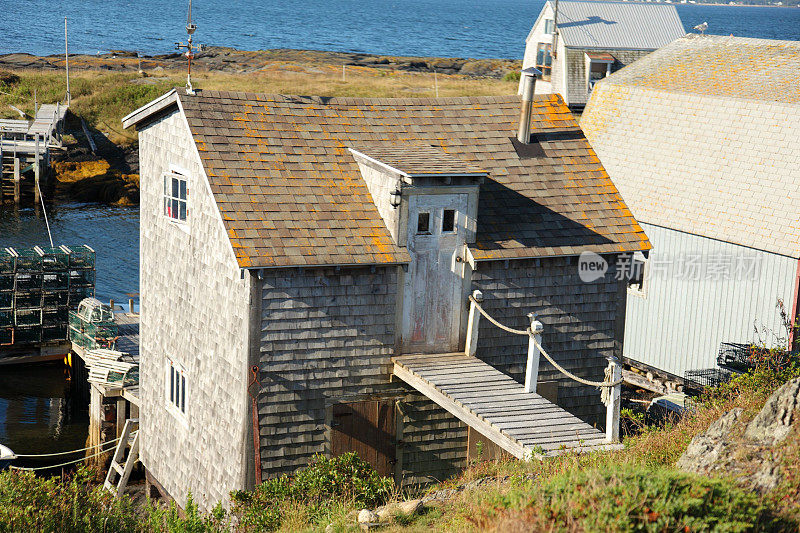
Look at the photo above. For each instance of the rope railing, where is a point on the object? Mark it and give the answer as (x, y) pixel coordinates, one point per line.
(70, 452)
(34, 469)
(530, 334)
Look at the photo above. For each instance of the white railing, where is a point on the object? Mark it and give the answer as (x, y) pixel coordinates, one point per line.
(610, 388)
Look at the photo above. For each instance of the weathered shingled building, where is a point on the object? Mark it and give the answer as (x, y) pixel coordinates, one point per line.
(312, 239)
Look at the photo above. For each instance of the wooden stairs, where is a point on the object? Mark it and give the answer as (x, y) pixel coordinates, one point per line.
(524, 424)
(122, 465)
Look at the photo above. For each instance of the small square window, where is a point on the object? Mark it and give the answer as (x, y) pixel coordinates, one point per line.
(449, 221)
(423, 223)
(549, 26)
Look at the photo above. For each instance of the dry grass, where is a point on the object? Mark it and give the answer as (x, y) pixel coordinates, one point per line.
(103, 98)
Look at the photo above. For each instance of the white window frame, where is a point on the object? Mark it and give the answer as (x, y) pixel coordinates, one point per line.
(640, 289)
(549, 26)
(168, 198)
(176, 390)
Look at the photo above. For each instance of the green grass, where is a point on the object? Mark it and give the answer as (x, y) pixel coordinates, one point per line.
(103, 98)
(635, 489)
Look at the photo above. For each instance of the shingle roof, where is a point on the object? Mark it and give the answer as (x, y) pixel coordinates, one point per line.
(414, 159)
(291, 193)
(609, 25)
(756, 69)
(702, 137)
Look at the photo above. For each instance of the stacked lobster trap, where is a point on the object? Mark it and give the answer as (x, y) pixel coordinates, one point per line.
(38, 287)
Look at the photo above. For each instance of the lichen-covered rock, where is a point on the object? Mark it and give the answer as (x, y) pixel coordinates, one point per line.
(750, 455)
(410, 507)
(774, 422)
(365, 516)
(706, 448)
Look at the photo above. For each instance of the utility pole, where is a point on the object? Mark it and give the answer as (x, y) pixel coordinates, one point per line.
(66, 55)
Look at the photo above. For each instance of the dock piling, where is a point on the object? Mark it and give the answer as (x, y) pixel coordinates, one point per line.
(17, 188)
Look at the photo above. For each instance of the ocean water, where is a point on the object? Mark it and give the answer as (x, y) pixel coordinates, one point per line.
(449, 28)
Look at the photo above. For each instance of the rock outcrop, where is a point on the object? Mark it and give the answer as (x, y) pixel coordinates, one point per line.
(752, 454)
(223, 59)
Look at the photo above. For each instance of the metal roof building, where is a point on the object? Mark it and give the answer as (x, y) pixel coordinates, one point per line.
(586, 41)
(700, 137)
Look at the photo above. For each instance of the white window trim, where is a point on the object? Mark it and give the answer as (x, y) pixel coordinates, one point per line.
(182, 416)
(182, 172)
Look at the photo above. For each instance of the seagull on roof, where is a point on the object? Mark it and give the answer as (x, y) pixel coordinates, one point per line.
(702, 27)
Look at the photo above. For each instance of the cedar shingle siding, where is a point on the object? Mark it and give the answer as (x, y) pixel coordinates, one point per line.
(286, 263)
(582, 324)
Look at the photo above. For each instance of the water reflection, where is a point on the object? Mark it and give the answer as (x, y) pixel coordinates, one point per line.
(38, 413)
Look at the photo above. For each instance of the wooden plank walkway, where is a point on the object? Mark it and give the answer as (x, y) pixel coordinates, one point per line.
(524, 424)
(128, 342)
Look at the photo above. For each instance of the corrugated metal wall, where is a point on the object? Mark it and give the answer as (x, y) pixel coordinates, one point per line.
(701, 292)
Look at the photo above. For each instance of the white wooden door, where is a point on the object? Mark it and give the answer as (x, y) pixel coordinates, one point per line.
(433, 286)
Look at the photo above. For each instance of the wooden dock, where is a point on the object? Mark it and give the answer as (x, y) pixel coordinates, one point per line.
(25, 149)
(524, 424)
(106, 400)
(128, 343)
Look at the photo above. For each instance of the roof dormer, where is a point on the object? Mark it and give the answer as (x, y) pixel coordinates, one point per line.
(398, 173)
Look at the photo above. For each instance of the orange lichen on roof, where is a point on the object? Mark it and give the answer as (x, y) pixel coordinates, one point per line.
(290, 192)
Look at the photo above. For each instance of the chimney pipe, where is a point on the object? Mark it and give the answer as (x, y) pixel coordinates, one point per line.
(528, 85)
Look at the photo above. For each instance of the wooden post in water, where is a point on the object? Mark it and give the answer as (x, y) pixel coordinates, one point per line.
(17, 191)
(37, 168)
(2, 168)
(130, 306)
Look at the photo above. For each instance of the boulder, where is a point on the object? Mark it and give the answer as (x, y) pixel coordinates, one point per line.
(774, 422)
(365, 516)
(410, 507)
(707, 448)
(750, 455)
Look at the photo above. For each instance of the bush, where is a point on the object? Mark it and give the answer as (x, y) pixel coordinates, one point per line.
(514, 75)
(633, 498)
(29, 503)
(8, 79)
(325, 482)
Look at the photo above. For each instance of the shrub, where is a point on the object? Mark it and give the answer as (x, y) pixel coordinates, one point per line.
(632, 498)
(514, 75)
(319, 486)
(8, 78)
(29, 503)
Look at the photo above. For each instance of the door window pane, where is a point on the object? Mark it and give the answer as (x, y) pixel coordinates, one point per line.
(449, 220)
(424, 223)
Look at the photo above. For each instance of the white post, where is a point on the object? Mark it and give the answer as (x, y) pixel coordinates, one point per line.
(532, 368)
(612, 410)
(472, 325)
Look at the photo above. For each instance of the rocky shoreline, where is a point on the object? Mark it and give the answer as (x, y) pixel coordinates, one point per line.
(222, 59)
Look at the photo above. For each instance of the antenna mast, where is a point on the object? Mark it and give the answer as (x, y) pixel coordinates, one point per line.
(190, 29)
(66, 59)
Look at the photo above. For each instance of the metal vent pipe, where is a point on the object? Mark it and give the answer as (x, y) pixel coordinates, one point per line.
(528, 86)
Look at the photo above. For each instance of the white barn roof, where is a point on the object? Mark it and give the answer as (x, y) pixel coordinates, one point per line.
(702, 136)
(621, 25)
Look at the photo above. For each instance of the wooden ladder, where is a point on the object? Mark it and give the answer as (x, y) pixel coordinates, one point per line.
(118, 467)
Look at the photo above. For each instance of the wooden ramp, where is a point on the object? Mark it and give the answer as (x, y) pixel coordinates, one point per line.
(524, 424)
